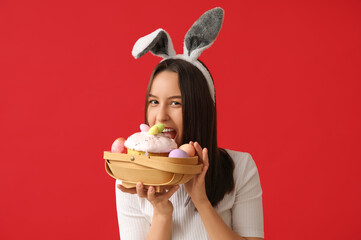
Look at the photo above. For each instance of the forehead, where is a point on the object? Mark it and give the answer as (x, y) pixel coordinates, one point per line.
(165, 83)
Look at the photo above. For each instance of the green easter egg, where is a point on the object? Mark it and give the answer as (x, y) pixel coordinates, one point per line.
(153, 130)
(160, 127)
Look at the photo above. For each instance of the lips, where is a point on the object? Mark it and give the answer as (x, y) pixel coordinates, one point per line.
(170, 132)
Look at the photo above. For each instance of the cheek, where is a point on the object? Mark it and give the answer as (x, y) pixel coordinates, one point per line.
(180, 124)
(150, 117)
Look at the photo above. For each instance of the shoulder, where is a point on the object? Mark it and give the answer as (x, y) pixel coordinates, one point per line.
(244, 167)
(238, 155)
(242, 160)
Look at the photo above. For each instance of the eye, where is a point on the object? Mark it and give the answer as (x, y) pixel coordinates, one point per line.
(153, 102)
(175, 103)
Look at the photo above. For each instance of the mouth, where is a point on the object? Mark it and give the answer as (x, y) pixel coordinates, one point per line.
(170, 132)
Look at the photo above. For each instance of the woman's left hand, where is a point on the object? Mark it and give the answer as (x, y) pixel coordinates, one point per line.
(196, 187)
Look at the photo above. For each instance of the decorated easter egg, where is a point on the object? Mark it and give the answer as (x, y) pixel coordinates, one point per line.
(160, 127)
(144, 127)
(153, 130)
(118, 146)
(189, 149)
(178, 153)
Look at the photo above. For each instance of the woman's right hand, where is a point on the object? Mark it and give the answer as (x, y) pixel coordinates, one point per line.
(162, 207)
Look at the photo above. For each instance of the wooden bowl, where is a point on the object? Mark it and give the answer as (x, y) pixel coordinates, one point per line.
(150, 170)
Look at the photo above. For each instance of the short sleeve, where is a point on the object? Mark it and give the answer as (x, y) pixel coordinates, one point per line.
(131, 220)
(247, 211)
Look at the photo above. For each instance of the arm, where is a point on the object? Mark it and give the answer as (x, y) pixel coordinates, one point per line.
(161, 227)
(131, 220)
(215, 226)
(247, 210)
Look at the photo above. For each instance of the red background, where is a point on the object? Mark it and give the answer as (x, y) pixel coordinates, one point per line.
(287, 78)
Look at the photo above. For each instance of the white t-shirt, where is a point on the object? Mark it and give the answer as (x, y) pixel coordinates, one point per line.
(241, 209)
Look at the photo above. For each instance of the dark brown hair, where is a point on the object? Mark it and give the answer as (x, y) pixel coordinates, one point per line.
(200, 124)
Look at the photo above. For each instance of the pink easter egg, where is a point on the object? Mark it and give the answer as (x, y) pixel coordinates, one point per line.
(144, 127)
(178, 153)
(189, 149)
(118, 146)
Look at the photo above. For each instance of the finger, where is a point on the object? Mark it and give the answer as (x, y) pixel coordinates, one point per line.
(205, 162)
(204, 171)
(171, 191)
(126, 190)
(167, 187)
(151, 194)
(198, 149)
(205, 157)
(140, 190)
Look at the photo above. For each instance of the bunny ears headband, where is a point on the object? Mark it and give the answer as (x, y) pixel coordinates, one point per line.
(199, 37)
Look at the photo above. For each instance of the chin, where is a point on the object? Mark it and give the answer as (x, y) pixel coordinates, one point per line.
(178, 141)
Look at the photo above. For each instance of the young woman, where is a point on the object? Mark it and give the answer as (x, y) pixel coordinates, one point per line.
(224, 201)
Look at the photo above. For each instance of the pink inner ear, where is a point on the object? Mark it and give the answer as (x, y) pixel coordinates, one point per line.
(144, 127)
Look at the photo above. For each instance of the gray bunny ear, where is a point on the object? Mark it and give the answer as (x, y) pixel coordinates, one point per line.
(203, 33)
(158, 42)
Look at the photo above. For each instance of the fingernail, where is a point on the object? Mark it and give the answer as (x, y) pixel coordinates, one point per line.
(139, 185)
(151, 189)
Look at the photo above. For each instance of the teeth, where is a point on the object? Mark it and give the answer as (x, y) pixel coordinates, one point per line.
(168, 130)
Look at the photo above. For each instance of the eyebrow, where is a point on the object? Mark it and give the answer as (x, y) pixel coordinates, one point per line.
(172, 97)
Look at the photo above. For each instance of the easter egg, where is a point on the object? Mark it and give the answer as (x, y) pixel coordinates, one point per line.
(189, 149)
(178, 153)
(160, 127)
(118, 146)
(153, 130)
(144, 127)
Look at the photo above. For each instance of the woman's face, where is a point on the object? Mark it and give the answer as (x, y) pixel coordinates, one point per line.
(165, 105)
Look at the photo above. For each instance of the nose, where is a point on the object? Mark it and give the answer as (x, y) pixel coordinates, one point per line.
(162, 114)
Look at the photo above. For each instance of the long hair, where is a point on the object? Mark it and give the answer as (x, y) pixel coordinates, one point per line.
(200, 124)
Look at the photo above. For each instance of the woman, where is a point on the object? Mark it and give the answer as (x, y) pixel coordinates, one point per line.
(226, 197)
(224, 201)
